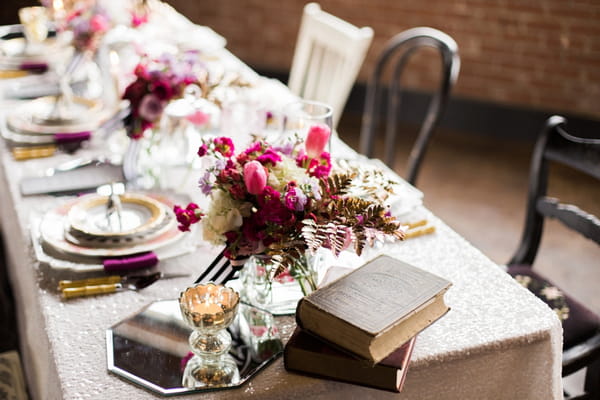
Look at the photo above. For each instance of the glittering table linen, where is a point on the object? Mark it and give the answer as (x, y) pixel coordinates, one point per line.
(497, 342)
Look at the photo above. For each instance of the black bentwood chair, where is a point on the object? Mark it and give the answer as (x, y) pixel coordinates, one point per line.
(400, 48)
(581, 327)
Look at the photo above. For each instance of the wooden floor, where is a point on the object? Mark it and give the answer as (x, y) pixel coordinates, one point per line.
(478, 185)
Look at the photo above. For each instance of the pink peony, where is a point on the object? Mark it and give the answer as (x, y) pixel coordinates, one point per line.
(316, 140)
(151, 107)
(255, 177)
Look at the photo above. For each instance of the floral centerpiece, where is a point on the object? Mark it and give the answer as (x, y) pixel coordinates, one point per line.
(157, 81)
(88, 23)
(282, 202)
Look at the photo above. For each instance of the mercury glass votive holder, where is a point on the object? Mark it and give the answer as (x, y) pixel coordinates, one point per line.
(209, 309)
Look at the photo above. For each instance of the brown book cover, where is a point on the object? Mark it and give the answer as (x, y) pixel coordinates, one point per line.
(372, 310)
(306, 354)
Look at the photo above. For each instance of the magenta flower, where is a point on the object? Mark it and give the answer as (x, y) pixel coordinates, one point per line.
(188, 216)
(202, 150)
(295, 199)
(269, 157)
(151, 107)
(162, 89)
(316, 140)
(224, 145)
(255, 177)
(320, 167)
(138, 19)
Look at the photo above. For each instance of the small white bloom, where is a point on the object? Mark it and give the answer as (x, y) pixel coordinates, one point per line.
(551, 292)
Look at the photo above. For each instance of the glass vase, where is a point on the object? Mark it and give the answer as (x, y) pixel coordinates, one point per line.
(158, 158)
(278, 295)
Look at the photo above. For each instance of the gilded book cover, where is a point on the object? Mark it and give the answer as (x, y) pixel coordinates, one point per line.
(375, 308)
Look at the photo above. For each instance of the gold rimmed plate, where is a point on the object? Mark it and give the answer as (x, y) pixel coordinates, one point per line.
(35, 117)
(53, 239)
(139, 214)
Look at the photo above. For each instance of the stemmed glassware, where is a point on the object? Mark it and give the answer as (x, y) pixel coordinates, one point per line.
(209, 309)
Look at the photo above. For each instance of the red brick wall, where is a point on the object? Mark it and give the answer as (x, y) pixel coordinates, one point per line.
(542, 54)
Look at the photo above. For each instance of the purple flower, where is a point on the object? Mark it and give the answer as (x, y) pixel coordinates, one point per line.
(151, 107)
(206, 183)
(286, 149)
(295, 199)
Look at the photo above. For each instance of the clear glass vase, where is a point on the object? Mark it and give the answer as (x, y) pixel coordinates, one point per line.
(158, 158)
(278, 295)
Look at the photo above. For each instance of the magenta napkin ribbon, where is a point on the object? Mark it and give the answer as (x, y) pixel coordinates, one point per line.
(34, 66)
(138, 261)
(62, 138)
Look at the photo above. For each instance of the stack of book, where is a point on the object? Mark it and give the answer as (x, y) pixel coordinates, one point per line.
(361, 328)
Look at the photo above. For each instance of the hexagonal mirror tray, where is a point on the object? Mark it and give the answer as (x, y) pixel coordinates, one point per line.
(151, 349)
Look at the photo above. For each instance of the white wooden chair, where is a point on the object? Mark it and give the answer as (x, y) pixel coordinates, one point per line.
(328, 56)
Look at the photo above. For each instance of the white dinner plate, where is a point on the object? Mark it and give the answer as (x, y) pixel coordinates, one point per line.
(52, 236)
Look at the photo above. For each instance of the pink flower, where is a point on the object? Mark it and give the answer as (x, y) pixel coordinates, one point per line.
(99, 23)
(255, 177)
(224, 145)
(316, 140)
(202, 150)
(295, 199)
(320, 167)
(198, 118)
(162, 89)
(269, 157)
(141, 71)
(151, 107)
(188, 216)
(138, 19)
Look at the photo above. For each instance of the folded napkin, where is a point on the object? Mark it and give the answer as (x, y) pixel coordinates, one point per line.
(137, 261)
(34, 66)
(62, 138)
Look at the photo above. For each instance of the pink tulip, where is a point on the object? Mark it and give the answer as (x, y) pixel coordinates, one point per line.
(316, 140)
(255, 177)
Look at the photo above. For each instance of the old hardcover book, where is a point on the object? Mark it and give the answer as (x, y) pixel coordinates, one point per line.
(374, 309)
(306, 354)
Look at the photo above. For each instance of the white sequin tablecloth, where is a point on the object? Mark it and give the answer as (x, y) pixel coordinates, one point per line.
(497, 342)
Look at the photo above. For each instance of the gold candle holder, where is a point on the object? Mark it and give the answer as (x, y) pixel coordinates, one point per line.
(209, 309)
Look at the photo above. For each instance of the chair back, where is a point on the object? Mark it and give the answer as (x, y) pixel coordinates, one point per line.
(400, 48)
(554, 144)
(328, 56)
